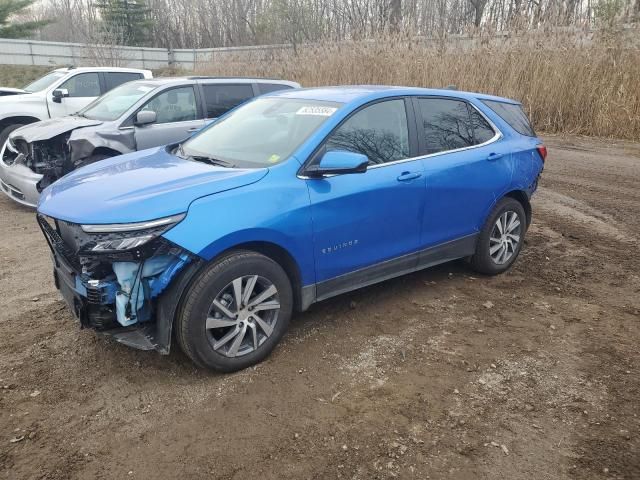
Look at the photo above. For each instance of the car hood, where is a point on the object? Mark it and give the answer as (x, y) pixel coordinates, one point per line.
(5, 91)
(47, 129)
(138, 186)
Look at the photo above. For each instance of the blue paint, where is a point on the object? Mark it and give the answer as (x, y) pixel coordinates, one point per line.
(329, 226)
(139, 281)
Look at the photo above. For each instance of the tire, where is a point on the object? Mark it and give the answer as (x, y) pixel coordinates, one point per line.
(6, 131)
(492, 257)
(206, 329)
(96, 157)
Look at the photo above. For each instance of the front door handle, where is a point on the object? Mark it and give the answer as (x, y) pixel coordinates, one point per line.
(194, 129)
(406, 176)
(494, 156)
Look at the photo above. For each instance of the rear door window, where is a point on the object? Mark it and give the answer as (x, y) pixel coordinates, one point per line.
(222, 98)
(482, 131)
(513, 115)
(446, 124)
(272, 87)
(378, 131)
(113, 79)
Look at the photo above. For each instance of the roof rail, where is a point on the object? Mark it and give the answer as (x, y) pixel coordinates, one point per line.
(451, 87)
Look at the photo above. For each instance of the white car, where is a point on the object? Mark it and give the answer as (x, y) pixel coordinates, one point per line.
(60, 92)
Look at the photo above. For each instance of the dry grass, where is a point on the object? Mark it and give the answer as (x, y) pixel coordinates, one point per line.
(18, 76)
(588, 86)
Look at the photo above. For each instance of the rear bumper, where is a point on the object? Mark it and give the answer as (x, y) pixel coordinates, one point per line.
(19, 183)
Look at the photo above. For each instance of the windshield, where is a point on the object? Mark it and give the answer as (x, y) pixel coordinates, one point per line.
(114, 103)
(261, 133)
(44, 82)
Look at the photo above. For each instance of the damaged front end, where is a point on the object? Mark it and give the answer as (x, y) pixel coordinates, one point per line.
(123, 280)
(50, 158)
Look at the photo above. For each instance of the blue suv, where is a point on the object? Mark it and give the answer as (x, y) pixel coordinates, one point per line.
(290, 199)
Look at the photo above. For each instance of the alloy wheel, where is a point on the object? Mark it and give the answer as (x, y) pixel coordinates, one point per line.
(505, 237)
(243, 316)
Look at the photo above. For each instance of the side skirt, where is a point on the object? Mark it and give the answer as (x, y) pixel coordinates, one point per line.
(395, 267)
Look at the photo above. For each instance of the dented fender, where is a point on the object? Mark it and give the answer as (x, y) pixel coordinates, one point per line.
(83, 142)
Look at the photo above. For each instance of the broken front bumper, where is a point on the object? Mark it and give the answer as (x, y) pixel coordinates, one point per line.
(19, 183)
(93, 301)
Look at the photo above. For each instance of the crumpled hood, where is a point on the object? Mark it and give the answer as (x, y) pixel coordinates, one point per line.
(47, 129)
(6, 91)
(138, 186)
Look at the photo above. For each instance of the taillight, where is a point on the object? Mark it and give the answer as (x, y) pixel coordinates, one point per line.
(542, 150)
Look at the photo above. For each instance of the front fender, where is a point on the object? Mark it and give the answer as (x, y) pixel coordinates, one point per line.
(83, 142)
(274, 210)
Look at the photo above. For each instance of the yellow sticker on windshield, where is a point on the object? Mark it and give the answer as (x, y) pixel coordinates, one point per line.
(274, 158)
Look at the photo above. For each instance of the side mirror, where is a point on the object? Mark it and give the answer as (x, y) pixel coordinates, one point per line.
(338, 162)
(146, 117)
(59, 94)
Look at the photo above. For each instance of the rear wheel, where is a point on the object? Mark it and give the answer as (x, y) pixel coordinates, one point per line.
(501, 238)
(235, 312)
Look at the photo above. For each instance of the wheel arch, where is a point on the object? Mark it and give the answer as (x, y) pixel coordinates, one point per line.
(278, 254)
(523, 199)
(112, 152)
(20, 119)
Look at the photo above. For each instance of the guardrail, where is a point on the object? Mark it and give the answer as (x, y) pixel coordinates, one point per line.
(34, 52)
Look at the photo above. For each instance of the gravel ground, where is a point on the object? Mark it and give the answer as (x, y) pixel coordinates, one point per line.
(439, 374)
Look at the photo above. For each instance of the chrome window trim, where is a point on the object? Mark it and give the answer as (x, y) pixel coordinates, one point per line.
(498, 135)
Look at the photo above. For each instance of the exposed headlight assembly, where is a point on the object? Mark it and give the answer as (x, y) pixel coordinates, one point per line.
(133, 235)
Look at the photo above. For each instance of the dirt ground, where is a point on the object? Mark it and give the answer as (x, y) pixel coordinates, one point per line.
(534, 374)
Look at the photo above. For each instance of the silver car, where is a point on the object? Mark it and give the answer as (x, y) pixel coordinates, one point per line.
(134, 116)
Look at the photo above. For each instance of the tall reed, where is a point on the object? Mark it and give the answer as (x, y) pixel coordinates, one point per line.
(568, 84)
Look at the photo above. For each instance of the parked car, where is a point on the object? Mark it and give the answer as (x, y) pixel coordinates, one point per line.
(60, 92)
(287, 200)
(134, 116)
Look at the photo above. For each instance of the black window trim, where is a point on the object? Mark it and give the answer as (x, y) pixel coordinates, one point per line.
(498, 133)
(411, 127)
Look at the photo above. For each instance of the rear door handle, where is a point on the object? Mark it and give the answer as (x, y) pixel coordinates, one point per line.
(194, 129)
(406, 176)
(494, 156)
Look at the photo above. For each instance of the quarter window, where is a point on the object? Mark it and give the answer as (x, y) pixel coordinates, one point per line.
(513, 115)
(175, 105)
(222, 98)
(378, 131)
(83, 85)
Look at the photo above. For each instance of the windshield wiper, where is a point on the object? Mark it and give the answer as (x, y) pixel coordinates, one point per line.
(204, 158)
(213, 161)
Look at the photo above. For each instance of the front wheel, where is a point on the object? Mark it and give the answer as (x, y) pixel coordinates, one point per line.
(6, 131)
(235, 312)
(501, 238)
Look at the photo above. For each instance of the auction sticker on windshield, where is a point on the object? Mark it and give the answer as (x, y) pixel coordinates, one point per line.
(317, 110)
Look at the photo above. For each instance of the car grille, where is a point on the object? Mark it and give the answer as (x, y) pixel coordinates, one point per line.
(57, 244)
